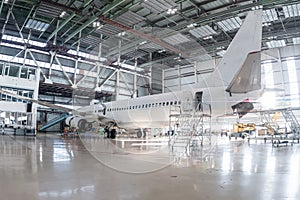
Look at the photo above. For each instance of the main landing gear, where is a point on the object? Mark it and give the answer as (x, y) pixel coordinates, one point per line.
(110, 133)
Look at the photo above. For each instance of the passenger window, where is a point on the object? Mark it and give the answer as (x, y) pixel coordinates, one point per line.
(171, 103)
(164, 103)
(1, 68)
(175, 102)
(167, 103)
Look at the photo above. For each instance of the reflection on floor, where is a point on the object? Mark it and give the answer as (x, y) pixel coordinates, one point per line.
(91, 167)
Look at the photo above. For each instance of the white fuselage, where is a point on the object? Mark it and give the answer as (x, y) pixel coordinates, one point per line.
(154, 111)
(238, 69)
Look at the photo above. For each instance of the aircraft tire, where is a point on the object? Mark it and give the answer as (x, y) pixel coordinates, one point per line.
(113, 133)
(139, 134)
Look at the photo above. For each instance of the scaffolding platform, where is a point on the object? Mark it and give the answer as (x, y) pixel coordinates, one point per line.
(191, 127)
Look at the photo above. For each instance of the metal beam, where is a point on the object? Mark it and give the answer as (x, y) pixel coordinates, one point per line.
(7, 17)
(76, 63)
(107, 78)
(126, 83)
(34, 60)
(62, 68)
(83, 26)
(111, 6)
(92, 69)
(61, 26)
(157, 61)
(1, 6)
(94, 18)
(143, 35)
(125, 48)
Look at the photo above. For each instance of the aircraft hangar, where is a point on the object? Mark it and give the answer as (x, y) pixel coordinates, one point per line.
(120, 99)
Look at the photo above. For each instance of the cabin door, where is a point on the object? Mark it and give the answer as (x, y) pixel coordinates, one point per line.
(187, 103)
(198, 100)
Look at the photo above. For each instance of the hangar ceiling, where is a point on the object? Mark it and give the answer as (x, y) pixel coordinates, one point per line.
(154, 33)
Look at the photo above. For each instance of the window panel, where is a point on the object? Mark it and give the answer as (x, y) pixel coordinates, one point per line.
(24, 72)
(293, 82)
(1, 68)
(14, 71)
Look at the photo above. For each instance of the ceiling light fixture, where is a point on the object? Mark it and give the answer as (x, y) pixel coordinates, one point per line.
(96, 24)
(207, 37)
(266, 24)
(122, 34)
(63, 13)
(171, 11)
(191, 25)
(144, 42)
(257, 7)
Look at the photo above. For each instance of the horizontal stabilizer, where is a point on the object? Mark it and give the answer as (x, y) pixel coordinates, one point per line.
(249, 77)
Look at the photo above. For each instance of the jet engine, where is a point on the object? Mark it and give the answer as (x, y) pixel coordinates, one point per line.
(79, 123)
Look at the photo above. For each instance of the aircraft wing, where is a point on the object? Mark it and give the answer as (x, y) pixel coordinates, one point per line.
(62, 108)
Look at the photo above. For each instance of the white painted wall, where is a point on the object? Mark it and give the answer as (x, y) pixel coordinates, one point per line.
(13, 106)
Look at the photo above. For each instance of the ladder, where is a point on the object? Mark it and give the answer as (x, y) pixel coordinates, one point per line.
(292, 122)
(190, 127)
(270, 123)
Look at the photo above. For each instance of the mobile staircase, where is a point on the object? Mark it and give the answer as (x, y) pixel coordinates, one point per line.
(292, 123)
(54, 121)
(270, 122)
(191, 127)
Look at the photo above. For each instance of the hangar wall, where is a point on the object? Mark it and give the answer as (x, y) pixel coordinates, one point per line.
(84, 73)
(278, 59)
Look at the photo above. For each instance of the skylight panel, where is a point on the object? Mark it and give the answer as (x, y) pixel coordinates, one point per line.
(176, 39)
(230, 24)
(221, 53)
(291, 10)
(36, 25)
(269, 15)
(203, 31)
(296, 40)
(276, 43)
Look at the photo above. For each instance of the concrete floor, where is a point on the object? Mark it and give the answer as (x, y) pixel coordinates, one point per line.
(48, 167)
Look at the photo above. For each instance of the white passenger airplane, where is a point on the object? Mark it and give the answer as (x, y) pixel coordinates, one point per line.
(236, 77)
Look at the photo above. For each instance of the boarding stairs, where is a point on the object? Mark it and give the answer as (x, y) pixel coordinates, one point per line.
(270, 123)
(191, 127)
(293, 123)
(54, 121)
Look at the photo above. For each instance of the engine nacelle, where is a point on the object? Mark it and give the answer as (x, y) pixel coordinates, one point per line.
(80, 123)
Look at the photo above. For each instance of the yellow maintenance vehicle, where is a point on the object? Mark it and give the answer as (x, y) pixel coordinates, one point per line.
(242, 130)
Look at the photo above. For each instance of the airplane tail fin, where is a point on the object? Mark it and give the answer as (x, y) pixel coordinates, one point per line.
(239, 69)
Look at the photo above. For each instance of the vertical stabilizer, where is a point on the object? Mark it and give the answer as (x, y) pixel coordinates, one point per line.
(241, 53)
